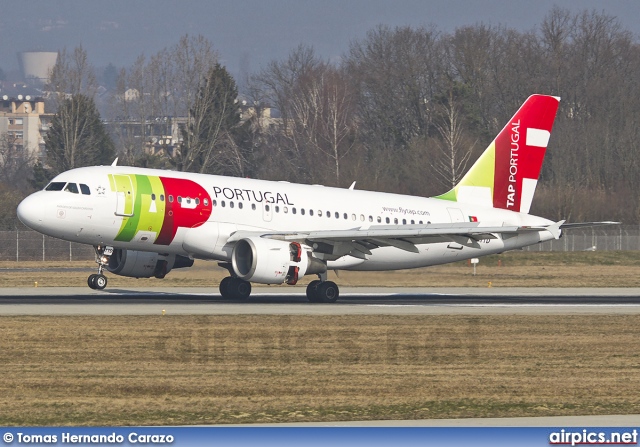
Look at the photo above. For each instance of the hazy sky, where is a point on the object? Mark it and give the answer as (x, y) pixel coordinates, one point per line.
(257, 31)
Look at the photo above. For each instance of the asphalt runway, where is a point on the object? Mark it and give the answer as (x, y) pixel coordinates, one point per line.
(292, 301)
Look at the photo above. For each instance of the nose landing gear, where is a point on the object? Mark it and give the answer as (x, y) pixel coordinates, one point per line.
(99, 281)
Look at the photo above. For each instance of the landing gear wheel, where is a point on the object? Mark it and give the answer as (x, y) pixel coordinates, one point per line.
(100, 282)
(235, 288)
(224, 287)
(312, 291)
(328, 292)
(241, 289)
(91, 281)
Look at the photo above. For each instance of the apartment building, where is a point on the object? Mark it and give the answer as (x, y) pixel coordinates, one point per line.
(24, 122)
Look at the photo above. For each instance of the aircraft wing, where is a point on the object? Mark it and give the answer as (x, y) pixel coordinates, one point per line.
(360, 241)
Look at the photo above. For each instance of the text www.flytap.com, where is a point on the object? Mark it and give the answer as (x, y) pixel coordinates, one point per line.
(586, 437)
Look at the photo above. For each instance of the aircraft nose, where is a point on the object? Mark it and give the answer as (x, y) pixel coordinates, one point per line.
(31, 211)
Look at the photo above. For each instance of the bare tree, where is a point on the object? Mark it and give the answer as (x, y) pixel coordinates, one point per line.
(15, 163)
(454, 152)
(155, 93)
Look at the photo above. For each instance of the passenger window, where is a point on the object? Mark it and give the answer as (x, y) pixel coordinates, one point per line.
(412, 222)
(302, 211)
(362, 217)
(85, 189)
(253, 206)
(162, 197)
(267, 208)
(153, 196)
(206, 202)
(379, 219)
(277, 209)
(231, 205)
(179, 199)
(222, 204)
(353, 217)
(310, 212)
(188, 200)
(404, 221)
(370, 218)
(328, 213)
(337, 215)
(214, 203)
(285, 209)
(55, 186)
(240, 205)
(395, 221)
(293, 210)
(345, 216)
(198, 201)
(388, 220)
(72, 187)
(170, 199)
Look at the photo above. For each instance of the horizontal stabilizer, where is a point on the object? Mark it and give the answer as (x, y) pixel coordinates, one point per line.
(570, 226)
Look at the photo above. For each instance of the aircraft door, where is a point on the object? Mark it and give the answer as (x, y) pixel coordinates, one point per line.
(267, 212)
(125, 197)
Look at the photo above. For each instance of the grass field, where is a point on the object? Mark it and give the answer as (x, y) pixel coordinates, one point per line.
(173, 370)
(239, 369)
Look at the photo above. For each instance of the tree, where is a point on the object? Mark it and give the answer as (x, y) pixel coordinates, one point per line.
(15, 164)
(71, 75)
(207, 139)
(110, 77)
(155, 91)
(77, 136)
(454, 150)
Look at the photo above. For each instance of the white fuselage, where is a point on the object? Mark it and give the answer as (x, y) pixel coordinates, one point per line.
(117, 213)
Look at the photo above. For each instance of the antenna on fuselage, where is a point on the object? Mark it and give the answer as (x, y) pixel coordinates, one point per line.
(353, 185)
(115, 162)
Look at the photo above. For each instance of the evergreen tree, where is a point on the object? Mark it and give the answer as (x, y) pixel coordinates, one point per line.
(77, 136)
(207, 140)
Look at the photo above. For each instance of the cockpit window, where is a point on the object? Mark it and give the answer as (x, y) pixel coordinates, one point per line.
(55, 186)
(84, 189)
(72, 187)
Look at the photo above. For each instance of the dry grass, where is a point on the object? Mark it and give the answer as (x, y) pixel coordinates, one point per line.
(514, 269)
(239, 369)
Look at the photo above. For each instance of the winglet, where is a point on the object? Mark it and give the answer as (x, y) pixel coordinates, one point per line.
(115, 162)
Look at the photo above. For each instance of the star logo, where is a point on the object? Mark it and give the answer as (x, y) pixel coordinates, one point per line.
(100, 190)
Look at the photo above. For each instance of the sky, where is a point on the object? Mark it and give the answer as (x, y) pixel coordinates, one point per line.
(251, 33)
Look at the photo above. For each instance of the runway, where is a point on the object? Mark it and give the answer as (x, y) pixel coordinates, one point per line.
(292, 301)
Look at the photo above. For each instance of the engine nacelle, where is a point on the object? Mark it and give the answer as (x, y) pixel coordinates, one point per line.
(270, 261)
(144, 264)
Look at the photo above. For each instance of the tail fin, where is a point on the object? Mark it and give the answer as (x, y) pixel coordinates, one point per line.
(506, 174)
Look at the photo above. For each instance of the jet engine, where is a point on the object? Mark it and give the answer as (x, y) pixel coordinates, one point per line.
(270, 261)
(144, 264)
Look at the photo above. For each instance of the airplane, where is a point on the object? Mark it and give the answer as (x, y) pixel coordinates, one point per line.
(145, 222)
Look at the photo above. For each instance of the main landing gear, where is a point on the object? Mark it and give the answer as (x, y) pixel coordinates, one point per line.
(318, 291)
(232, 288)
(322, 291)
(99, 281)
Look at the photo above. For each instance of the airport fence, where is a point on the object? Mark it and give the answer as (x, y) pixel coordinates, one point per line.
(27, 245)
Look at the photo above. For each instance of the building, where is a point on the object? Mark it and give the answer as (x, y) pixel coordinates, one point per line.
(24, 122)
